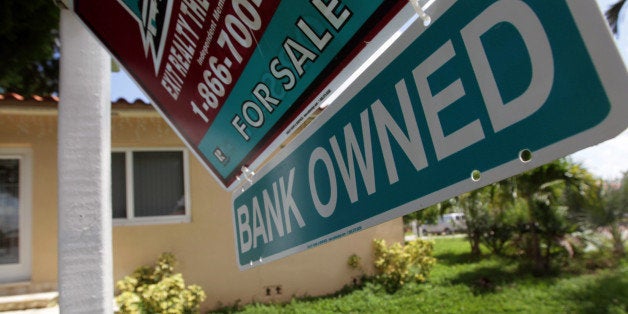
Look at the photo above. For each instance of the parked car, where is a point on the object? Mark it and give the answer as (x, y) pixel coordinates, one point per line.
(447, 224)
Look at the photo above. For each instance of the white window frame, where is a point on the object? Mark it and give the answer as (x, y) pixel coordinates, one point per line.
(21, 271)
(130, 219)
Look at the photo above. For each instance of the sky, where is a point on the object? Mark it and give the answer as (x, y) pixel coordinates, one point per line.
(607, 160)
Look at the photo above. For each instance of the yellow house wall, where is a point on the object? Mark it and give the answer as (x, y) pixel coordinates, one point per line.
(205, 247)
(39, 134)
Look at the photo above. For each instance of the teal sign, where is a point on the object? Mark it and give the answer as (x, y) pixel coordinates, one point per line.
(300, 42)
(444, 110)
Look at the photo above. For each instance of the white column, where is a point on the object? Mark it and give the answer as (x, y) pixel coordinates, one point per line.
(85, 261)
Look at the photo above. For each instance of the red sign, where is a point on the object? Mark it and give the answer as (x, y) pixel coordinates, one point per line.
(230, 76)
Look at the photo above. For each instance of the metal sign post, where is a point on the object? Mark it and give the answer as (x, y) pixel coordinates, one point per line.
(490, 89)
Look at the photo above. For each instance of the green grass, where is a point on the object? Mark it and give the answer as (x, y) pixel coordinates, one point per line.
(460, 284)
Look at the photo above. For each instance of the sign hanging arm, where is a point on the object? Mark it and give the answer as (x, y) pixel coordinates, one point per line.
(417, 7)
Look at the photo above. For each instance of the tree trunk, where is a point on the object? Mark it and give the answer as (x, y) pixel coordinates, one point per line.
(618, 244)
(547, 258)
(534, 249)
(474, 241)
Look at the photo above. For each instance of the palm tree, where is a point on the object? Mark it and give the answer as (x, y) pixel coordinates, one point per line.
(475, 205)
(611, 214)
(553, 197)
(612, 15)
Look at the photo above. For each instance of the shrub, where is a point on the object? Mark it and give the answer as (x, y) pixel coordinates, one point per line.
(397, 265)
(158, 290)
(355, 262)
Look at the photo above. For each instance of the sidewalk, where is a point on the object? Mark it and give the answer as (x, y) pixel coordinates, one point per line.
(48, 310)
(29, 303)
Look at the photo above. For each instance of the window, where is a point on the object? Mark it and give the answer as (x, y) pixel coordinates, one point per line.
(15, 215)
(149, 186)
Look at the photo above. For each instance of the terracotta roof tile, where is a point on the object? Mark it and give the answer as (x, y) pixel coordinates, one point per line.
(18, 102)
(17, 96)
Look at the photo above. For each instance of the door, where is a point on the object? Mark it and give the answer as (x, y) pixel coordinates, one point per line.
(15, 220)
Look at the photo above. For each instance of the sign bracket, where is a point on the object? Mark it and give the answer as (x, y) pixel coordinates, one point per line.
(247, 176)
(424, 16)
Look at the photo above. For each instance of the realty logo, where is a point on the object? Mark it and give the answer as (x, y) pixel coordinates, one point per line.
(153, 17)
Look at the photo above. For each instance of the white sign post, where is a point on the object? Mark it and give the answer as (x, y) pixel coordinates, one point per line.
(84, 157)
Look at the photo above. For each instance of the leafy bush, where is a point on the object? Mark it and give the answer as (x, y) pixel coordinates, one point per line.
(355, 262)
(158, 290)
(397, 264)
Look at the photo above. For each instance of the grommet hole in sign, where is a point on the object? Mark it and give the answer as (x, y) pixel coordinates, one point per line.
(476, 175)
(525, 156)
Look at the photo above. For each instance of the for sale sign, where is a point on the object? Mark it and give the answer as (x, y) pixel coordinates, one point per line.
(231, 75)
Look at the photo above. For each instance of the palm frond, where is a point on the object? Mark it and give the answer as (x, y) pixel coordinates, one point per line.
(612, 15)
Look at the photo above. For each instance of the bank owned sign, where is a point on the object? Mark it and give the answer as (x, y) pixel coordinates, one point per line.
(231, 75)
(444, 110)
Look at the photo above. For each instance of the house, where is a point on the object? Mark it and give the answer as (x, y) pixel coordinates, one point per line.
(188, 215)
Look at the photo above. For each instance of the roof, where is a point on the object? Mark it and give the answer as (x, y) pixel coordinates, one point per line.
(18, 97)
(24, 104)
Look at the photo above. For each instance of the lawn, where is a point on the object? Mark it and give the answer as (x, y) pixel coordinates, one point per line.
(459, 284)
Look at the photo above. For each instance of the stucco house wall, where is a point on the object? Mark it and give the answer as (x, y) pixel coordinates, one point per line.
(204, 246)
